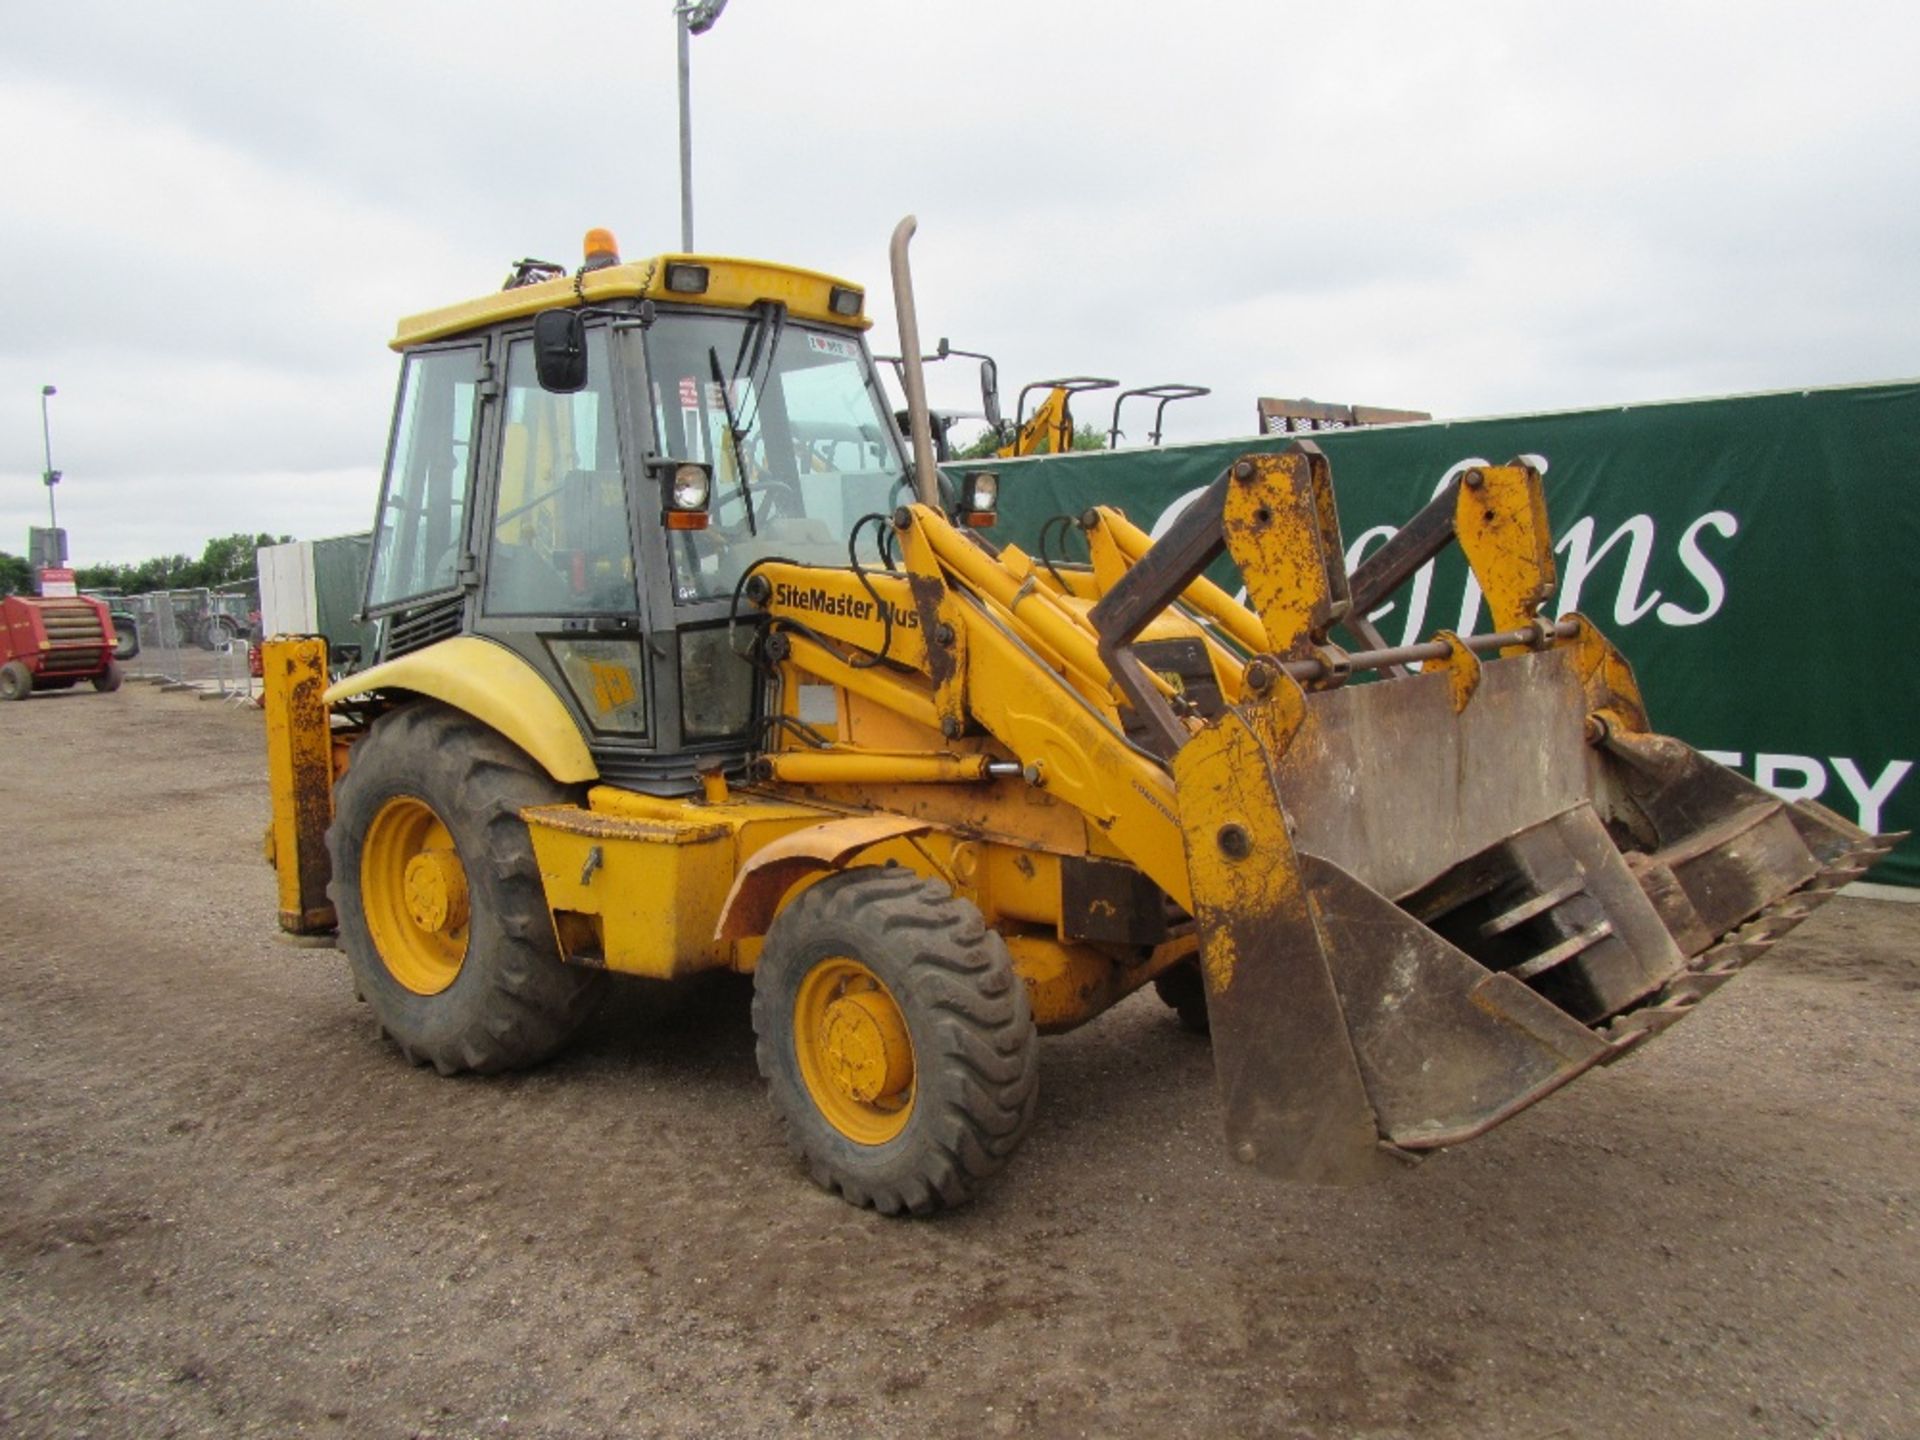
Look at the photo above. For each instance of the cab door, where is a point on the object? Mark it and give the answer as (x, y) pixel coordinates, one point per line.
(555, 539)
(414, 573)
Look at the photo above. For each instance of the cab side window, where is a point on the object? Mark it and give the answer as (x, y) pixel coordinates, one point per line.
(418, 537)
(559, 543)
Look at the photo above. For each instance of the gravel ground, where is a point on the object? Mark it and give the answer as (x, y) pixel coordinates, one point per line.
(227, 1208)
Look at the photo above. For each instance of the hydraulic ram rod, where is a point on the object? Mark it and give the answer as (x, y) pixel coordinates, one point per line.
(1430, 650)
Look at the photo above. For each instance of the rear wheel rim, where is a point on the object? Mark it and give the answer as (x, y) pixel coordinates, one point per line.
(414, 895)
(854, 1051)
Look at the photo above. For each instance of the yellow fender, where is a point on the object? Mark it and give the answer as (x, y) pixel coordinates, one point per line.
(496, 687)
(775, 868)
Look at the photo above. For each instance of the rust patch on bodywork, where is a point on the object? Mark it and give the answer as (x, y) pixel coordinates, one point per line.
(764, 880)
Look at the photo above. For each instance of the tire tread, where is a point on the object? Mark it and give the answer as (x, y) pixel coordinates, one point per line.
(522, 1004)
(976, 1093)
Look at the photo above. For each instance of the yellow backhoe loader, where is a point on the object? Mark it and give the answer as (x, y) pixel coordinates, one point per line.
(683, 665)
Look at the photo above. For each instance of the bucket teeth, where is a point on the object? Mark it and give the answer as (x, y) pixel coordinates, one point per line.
(1740, 948)
(1630, 1030)
(1699, 985)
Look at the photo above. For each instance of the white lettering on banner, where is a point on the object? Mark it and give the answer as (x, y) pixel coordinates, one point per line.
(1869, 797)
(1173, 512)
(1423, 577)
(1357, 552)
(1767, 770)
(1469, 605)
(1580, 560)
(1701, 569)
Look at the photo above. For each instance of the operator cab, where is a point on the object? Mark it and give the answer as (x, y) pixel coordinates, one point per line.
(600, 525)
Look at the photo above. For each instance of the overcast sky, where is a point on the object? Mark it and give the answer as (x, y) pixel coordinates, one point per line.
(214, 210)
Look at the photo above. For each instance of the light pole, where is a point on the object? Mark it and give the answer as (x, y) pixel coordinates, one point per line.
(695, 17)
(50, 475)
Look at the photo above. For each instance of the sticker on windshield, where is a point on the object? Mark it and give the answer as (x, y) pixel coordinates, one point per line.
(828, 345)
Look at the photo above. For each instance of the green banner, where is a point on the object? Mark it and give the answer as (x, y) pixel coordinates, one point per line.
(1756, 558)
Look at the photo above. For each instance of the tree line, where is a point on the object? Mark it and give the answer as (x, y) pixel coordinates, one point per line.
(1085, 437)
(226, 561)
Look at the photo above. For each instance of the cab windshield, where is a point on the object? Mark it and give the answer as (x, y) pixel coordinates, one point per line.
(813, 434)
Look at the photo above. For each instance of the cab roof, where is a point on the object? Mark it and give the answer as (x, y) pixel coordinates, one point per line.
(732, 284)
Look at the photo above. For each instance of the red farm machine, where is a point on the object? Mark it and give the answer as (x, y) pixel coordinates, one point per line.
(53, 643)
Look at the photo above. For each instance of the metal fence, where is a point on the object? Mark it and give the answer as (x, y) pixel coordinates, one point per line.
(189, 640)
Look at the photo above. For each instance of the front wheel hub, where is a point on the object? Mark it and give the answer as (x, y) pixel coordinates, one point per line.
(855, 1051)
(868, 1052)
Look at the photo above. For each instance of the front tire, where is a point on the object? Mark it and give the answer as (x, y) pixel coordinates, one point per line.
(439, 900)
(108, 680)
(896, 1040)
(16, 681)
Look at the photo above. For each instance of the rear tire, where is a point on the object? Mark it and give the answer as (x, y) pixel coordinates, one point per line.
(108, 680)
(126, 638)
(896, 1040)
(439, 900)
(16, 681)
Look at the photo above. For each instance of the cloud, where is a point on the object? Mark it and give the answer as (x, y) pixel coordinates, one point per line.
(213, 218)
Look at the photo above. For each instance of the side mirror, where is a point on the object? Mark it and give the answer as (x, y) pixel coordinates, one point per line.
(990, 394)
(560, 350)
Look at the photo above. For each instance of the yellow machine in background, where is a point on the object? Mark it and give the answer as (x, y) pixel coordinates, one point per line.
(939, 799)
(1049, 429)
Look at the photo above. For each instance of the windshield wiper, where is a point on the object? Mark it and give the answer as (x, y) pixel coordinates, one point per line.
(759, 339)
(725, 387)
(776, 312)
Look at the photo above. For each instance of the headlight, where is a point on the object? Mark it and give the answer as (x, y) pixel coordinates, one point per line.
(690, 486)
(843, 300)
(979, 497)
(685, 279)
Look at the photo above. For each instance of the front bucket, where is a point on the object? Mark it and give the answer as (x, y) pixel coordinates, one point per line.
(1419, 916)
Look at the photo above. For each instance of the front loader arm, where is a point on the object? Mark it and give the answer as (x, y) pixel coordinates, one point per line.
(1422, 903)
(964, 640)
(972, 650)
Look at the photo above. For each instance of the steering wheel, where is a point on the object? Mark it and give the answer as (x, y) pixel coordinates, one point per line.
(903, 492)
(773, 499)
